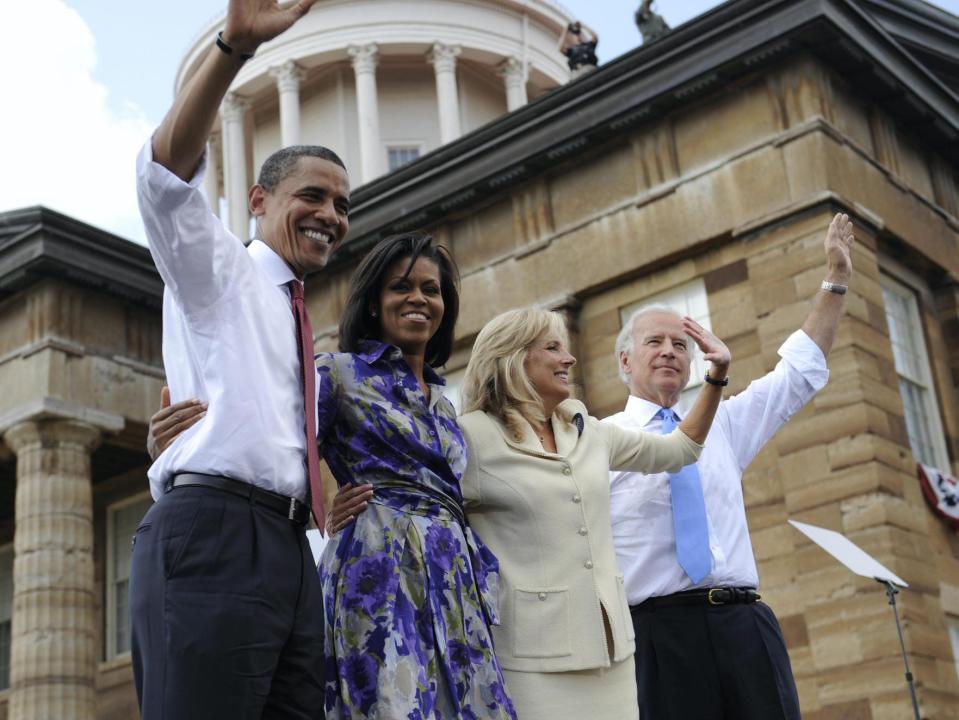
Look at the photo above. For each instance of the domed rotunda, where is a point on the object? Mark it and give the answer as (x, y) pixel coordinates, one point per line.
(381, 82)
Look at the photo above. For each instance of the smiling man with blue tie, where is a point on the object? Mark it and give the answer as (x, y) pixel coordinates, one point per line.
(706, 648)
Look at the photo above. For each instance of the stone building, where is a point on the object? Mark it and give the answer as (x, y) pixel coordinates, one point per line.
(701, 169)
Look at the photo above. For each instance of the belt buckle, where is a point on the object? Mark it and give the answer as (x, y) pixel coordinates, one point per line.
(291, 515)
(709, 597)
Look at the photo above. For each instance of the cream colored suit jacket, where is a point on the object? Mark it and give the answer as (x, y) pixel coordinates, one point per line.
(546, 517)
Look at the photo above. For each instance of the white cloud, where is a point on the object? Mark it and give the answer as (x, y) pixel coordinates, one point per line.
(61, 145)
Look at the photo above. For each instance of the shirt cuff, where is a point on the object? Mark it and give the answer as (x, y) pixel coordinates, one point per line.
(156, 181)
(801, 353)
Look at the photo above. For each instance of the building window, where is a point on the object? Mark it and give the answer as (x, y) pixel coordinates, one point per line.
(122, 521)
(952, 622)
(915, 377)
(688, 299)
(6, 613)
(400, 155)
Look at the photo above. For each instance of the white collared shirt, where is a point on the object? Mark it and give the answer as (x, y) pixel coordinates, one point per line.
(640, 510)
(229, 339)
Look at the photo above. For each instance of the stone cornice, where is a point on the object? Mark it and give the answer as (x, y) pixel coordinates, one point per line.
(38, 243)
(709, 52)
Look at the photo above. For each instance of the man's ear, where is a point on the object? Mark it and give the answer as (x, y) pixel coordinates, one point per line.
(257, 200)
(624, 362)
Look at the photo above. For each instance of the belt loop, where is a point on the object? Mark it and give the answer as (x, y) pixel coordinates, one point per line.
(292, 514)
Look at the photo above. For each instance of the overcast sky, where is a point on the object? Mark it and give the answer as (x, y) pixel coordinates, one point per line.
(87, 81)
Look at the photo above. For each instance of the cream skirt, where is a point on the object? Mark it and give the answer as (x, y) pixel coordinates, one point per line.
(601, 694)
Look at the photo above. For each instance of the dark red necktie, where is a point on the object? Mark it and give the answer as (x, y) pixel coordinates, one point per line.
(304, 338)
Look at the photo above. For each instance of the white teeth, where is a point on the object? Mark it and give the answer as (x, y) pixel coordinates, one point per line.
(317, 235)
(417, 315)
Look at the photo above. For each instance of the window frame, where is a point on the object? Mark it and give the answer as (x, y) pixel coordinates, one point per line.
(109, 572)
(416, 145)
(912, 290)
(7, 549)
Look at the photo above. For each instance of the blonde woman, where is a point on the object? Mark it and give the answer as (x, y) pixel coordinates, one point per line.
(536, 489)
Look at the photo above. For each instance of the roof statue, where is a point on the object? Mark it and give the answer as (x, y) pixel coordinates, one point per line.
(651, 25)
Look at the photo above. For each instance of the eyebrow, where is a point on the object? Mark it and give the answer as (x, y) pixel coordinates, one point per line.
(317, 190)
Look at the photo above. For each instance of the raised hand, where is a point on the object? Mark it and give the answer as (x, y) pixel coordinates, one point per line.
(350, 501)
(170, 420)
(249, 23)
(714, 349)
(838, 246)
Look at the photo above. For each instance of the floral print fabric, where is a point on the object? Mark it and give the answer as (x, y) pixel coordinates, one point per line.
(409, 591)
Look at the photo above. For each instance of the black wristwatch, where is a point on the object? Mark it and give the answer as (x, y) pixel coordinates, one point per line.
(718, 383)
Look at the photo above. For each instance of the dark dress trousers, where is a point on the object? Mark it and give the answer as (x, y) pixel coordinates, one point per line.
(227, 611)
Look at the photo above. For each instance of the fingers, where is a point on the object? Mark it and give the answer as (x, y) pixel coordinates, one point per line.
(184, 411)
(347, 504)
(164, 397)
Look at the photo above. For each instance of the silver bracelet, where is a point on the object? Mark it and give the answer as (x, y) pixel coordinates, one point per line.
(833, 287)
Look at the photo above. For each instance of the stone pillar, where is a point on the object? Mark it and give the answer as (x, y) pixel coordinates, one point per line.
(288, 77)
(54, 643)
(443, 58)
(211, 181)
(364, 66)
(232, 112)
(514, 78)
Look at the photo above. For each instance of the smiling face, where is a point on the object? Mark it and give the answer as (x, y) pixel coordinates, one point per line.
(410, 305)
(304, 219)
(658, 366)
(547, 366)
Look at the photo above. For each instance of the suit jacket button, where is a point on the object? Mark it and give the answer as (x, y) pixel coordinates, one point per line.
(577, 498)
(588, 565)
(583, 530)
(542, 596)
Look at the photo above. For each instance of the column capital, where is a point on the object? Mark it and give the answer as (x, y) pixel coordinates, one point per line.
(512, 70)
(234, 107)
(288, 76)
(364, 57)
(444, 56)
(51, 432)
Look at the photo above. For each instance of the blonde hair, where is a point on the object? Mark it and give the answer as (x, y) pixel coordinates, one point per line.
(496, 381)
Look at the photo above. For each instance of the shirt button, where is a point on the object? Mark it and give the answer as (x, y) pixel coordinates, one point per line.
(588, 564)
(583, 530)
(577, 498)
(542, 596)
(567, 471)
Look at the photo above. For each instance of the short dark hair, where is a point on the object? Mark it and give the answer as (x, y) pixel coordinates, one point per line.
(356, 322)
(281, 163)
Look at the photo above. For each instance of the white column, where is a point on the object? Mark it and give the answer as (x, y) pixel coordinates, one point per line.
(211, 181)
(514, 77)
(443, 58)
(235, 188)
(367, 108)
(288, 77)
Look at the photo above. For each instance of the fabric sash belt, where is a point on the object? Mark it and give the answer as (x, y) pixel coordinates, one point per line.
(416, 499)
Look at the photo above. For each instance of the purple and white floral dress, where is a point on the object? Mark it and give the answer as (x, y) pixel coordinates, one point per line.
(409, 592)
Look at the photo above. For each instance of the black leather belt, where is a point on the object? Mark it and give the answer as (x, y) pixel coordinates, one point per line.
(702, 596)
(291, 508)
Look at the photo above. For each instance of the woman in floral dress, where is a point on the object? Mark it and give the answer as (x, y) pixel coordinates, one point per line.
(409, 591)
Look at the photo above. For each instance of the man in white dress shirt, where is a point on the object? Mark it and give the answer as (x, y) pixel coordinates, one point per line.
(706, 649)
(226, 607)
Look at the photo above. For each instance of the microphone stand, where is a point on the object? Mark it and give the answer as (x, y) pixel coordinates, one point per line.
(891, 591)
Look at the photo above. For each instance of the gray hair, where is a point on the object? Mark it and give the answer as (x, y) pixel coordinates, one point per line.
(625, 339)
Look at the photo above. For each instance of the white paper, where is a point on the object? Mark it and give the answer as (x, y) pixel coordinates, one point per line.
(848, 554)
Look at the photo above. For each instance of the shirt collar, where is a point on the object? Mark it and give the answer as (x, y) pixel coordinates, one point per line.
(269, 263)
(372, 351)
(643, 411)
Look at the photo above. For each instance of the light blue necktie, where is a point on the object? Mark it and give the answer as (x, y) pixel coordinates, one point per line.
(689, 514)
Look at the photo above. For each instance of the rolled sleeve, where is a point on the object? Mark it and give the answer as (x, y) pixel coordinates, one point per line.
(196, 256)
(807, 358)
